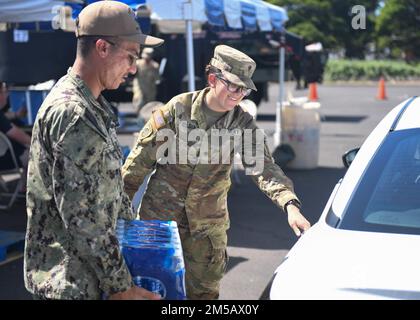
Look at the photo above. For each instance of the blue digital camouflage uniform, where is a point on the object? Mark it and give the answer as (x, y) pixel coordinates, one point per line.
(195, 196)
(74, 197)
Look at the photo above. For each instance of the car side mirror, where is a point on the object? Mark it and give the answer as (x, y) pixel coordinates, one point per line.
(349, 156)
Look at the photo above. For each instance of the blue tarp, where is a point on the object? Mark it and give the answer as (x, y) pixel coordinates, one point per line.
(277, 19)
(246, 15)
(214, 12)
(249, 16)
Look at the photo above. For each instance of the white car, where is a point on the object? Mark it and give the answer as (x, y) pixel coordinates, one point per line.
(366, 244)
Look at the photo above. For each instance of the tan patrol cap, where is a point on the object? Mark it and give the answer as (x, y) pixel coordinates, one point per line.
(115, 19)
(235, 65)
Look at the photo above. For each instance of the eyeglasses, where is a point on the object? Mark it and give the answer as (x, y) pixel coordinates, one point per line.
(132, 58)
(234, 88)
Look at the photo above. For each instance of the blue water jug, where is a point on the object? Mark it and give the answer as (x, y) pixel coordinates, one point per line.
(153, 253)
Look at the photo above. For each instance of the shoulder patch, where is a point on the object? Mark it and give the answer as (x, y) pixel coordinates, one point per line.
(160, 118)
(157, 119)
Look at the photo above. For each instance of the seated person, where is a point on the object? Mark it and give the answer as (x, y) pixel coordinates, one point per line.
(15, 117)
(19, 139)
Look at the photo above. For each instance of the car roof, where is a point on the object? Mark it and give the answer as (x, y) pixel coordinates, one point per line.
(409, 115)
(404, 116)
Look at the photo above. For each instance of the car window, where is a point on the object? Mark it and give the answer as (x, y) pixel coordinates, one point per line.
(387, 198)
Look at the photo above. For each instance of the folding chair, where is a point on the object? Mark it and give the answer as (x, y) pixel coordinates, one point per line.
(6, 191)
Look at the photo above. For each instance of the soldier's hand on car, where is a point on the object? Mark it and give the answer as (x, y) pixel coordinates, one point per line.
(135, 293)
(296, 220)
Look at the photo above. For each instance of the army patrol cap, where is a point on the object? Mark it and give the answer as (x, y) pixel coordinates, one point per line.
(235, 65)
(114, 19)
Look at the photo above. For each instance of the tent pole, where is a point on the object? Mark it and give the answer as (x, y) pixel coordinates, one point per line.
(190, 44)
(277, 134)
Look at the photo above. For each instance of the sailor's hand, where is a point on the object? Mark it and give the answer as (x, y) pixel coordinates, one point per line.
(135, 293)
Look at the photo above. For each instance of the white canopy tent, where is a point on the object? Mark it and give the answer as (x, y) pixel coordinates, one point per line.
(249, 15)
(235, 13)
(24, 10)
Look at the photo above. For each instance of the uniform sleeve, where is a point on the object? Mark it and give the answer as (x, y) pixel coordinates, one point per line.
(260, 165)
(128, 212)
(142, 159)
(87, 188)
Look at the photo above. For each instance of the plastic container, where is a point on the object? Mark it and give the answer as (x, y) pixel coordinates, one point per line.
(301, 130)
(153, 253)
(31, 99)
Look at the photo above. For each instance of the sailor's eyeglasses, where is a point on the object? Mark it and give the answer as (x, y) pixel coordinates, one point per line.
(132, 58)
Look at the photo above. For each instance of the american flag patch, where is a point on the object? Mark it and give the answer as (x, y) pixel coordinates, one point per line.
(158, 119)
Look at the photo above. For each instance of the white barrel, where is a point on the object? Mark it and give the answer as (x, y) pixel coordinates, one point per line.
(301, 130)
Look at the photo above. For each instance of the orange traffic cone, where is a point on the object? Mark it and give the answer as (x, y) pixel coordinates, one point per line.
(381, 90)
(313, 95)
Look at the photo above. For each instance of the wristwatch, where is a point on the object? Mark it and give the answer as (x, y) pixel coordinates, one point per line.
(295, 202)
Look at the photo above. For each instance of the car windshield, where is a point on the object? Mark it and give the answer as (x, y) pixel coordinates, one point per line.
(387, 198)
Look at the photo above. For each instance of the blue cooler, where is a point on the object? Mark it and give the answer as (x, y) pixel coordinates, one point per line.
(153, 253)
(32, 99)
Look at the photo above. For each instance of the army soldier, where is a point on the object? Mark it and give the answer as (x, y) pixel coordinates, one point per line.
(194, 194)
(75, 190)
(144, 83)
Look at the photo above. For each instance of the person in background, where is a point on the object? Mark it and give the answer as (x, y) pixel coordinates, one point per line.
(295, 62)
(145, 80)
(19, 139)
(75, 190)
(14, 116)
(194, 193)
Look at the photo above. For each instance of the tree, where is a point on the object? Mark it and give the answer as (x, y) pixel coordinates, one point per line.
(311, 19)
(357, 25)
(398, 28)
(331, 22)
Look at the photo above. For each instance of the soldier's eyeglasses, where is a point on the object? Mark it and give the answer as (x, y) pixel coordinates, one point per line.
(132, 58)
(234, 88)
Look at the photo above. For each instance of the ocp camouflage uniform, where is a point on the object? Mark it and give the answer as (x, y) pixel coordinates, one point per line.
(195, 196)
(75, 195)
(144, 83)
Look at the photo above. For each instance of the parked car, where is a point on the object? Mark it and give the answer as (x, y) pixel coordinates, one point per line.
(366, 242)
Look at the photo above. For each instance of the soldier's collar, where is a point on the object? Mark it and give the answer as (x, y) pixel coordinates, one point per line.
(197, 112)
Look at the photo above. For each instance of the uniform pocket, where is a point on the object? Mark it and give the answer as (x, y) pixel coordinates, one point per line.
(146, 134)
(111, 172)
(219, 258)
(207, 259)
(112, 157)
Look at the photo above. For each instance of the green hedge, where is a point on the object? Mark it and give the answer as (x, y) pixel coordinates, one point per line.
(347, 70)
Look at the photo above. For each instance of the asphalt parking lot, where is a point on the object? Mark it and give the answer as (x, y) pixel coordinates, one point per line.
(259, 236)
